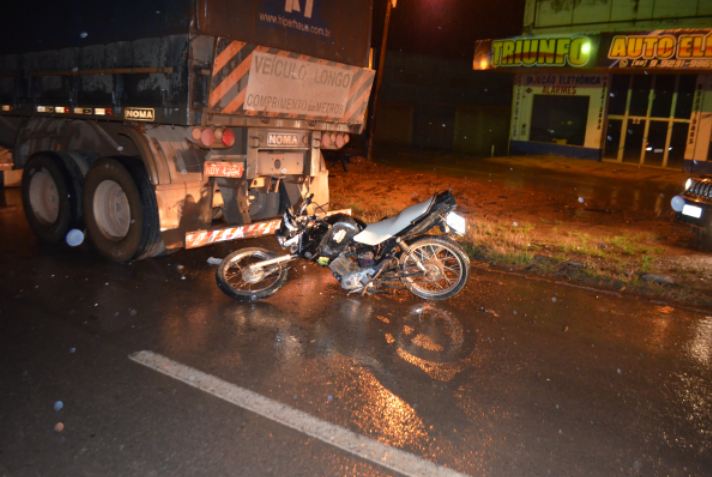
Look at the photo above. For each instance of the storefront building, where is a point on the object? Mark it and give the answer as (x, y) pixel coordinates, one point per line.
(590, 83)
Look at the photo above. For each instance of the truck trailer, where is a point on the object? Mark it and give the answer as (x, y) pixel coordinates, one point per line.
(156, 125)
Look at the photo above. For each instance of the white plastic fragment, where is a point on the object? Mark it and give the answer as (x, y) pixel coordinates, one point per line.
(214, 261)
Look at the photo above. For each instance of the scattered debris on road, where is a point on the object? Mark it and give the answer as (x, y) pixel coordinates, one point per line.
(214, 261)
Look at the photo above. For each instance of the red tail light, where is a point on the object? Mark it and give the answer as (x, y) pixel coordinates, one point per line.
(228, 138)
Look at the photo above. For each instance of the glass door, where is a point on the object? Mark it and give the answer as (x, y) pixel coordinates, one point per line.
(649, 118)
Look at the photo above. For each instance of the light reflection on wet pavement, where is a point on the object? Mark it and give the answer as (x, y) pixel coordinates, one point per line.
(515, 376)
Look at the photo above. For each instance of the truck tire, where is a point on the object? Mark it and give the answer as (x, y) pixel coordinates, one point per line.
(48, 198)
(119, 210)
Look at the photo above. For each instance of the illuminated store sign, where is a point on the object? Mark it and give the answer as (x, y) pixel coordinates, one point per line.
(662, 50)
(672, 49)
(574, 52)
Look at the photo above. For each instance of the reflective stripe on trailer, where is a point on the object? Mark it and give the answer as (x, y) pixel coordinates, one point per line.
(201, 238)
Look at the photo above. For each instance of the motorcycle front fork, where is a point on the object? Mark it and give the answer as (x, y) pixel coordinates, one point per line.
(406, 249)
(273, 261)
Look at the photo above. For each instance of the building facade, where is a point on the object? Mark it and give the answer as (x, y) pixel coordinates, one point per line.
(440, 104)
(618, 80)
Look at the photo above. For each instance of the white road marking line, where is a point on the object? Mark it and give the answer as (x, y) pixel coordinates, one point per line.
(389, 457)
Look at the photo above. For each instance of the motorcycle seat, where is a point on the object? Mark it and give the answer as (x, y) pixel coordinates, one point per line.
(379, 232)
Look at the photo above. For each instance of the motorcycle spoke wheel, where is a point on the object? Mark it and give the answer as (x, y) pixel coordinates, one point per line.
(236, 278)
(435, 268)
(238, 275)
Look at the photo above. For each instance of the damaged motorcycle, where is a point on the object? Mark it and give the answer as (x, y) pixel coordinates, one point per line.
(364, 258)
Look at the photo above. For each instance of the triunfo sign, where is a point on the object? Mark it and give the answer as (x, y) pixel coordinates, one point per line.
(672, 49)
(555, 51)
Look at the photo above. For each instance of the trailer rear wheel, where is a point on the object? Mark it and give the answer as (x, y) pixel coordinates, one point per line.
(46, 198)
(117, 210)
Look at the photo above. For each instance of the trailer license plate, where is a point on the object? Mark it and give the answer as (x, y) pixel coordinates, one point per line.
(692, 211)
(233, 170)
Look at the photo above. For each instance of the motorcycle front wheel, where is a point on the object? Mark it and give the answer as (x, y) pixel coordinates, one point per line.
(436, 268)
(239, 281)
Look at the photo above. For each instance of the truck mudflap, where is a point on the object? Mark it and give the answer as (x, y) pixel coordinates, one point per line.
(202, 238)
(255, 80)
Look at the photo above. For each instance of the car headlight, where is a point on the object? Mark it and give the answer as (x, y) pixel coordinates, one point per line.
(688, 184)
(456, 222)
(677, 203)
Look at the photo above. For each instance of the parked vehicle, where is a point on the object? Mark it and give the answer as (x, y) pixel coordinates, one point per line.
(363, 258)
(694, 206)
(151, 124)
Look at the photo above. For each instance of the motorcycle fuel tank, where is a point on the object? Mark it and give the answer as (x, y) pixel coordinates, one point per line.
(337, 238)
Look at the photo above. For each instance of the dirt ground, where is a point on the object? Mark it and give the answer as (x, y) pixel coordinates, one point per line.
(599, 224)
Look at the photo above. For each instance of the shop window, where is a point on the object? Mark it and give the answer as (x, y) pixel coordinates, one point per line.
(678, 141)
(685, 95)
(633, 141)
(618, 93)
(613, 137)
(655, 148)
(662, 99)
(559, 119)
(640, 93)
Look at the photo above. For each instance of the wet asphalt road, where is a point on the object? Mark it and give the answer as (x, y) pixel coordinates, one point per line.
(513, 377)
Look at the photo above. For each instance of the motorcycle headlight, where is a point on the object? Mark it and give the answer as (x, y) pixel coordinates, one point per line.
(456, 222)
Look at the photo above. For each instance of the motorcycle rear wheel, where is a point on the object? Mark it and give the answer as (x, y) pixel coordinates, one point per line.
(235, 280)
(447, 268)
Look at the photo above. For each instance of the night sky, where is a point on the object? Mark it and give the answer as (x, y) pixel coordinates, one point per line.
(448, 28)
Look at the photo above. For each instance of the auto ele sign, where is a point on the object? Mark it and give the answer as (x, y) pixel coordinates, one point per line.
(660, 49)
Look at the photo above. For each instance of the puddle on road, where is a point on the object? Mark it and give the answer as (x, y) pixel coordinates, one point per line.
(700, 346)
